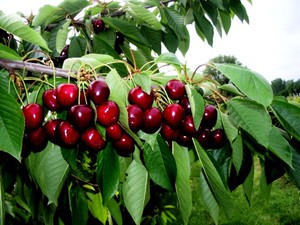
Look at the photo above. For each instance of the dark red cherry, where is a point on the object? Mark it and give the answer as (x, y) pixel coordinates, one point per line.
(51, 129)
(173, 115)
(37, 139)
(81, 116)
(175, 89)
(84, 97)
(67, 94)
(135, 117)
(34, 116)
(209, 117)
(125, 145)
(204, 137)
(98, 25)
(217, 138)
(50, 101)
(108, 113)
(93, 140)
(137, 96)
(184, 102)
(98, 91)
(188, 126)
(64, 53)
(168, 133)
(68, 136)
(114, 132)
(152, 120)
(184, 140)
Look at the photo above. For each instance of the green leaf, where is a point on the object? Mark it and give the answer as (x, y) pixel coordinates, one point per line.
(183, 187)
(170, 39)
(225, 20)
(251, 117)
(96, 207)
(295, 171)
(197, 104)
(115, 211)
(135, 190)
(143, 79)
(248, 185)
(204, 26)
(288, 116)
(78, 205)
(280, 146)
(252, 84)
(2, 201)
(58, 37)
(220, 192)
(45, 15)
(168, 58)
(73, 6)
(160, 164)
(15, 26)
(77, 47)
(154, 37)
(11, 125)
(8, 53)
(108, 172)
(49, 169)
(142, 14)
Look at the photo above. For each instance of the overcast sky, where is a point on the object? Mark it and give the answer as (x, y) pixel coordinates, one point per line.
(269, 45)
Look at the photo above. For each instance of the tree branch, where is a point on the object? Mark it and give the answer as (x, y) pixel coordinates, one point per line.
(33, 67)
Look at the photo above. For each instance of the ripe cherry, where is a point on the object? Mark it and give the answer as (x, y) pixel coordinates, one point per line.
(140, 98)
(34, 115)
(37, 139)
(108, 113)
(81, 116)
(175, 89)
(152, 120)
(184, 140)
(188, 127)
(168, 133)
(114, 132)
(50, 100)
(209, 117)
(98, 91)
(67, 94)
(68, 136)
(135, 117)
(125, 145)
(64, 53)
(51, 129)
(98, 25)
(204, 137)
(173, 115)
(184, 102)
(93, 140)
(217, 138)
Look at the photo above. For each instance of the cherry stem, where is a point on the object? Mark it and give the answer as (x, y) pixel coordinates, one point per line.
(18, 94)
(198, 67)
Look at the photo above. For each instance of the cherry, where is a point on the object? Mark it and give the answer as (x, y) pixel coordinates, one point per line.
(125, 145)
(152, 120)
(209, 117)
(34, 115)
(188, 127)
(204, 137)
(119, 41)
(173, 115)
(184, 140)
(175, 89)
(140, 98)
(135, 117)
(37, 139)
(50, 100)
(64, 53)
(84, 97)
(92, 139)
(51, 129)
(185, 103)
(98, 25)
(81, 116)
(67, 134)
(168, 133)
(114, 132)
(67, 94)
(217, 138)
(108, 113)
(98, 91)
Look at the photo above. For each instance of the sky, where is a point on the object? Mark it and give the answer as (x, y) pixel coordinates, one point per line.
(269, 44)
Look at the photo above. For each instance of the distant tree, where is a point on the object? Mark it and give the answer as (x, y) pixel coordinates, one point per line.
(217, 75)
(279, 87)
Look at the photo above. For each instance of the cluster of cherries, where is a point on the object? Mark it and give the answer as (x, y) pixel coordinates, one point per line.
(174, 122)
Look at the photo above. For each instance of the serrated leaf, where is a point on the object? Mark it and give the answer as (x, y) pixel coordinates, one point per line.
(135, 190)
(58, 37)
(251, 117)
(225, 20)
(11, 125)
(73, 6)
(96, 207)
(154, 37)
(288, 116)
(183, 187)
(252, 84)
(49, 170)
(8, 53)
(141, 13)
(15, 26)
(78, 205)
(77, 47)
(170, 39)
(231, 89)
(197, 104)
(295, 171)
(168, 58)
(108, 173)
(160, 164)
(115, 211)
(204, 26)
(143, 79)
(220, 192)
(45, 13)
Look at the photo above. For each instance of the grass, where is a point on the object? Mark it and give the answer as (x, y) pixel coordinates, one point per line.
(282, 208)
